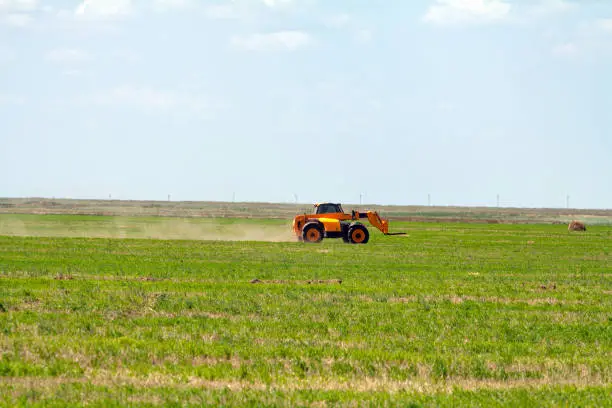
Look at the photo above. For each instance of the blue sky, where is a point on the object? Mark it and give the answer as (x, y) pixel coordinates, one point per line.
(459, 99)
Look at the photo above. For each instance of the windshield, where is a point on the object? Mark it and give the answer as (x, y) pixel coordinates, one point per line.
(329, 208)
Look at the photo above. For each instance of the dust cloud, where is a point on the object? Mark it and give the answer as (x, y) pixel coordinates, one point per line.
(164, 229)
(218, 232)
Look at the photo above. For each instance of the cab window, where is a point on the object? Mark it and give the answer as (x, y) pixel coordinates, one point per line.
(328, 209)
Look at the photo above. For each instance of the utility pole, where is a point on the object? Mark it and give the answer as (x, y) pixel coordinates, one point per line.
(233, 197)
(567, 197)
(498, 201)
(429, 200)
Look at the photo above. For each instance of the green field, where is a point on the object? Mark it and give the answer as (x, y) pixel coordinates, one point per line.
(149, 311)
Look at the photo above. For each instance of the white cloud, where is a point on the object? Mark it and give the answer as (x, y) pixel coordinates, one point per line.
(15, 13)
(12, 100)
(352, 26)
(277, 3)
(168, 5)
(568, 49)
(153, 100)
(18, 19)
(547, 7)
(364, 36)
(604, 25)
(139, 97)
(18, 5)
(449, 12)
(73, 73)
(277, 41)
(226, 10)
(64, 56)
(104, 8)
(125, 56)
(6, 58)
(337, 21)
(6, 55)
(222, 11)
(591, 38)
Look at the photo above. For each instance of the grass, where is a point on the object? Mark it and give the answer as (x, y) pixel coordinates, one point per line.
(449, 315)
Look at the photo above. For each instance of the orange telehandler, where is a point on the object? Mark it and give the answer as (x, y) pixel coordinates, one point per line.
(330, 221)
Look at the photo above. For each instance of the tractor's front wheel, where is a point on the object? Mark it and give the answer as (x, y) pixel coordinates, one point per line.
(312, 232)
(358, 234)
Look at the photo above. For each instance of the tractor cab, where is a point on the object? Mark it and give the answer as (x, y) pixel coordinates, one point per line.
(328, 208)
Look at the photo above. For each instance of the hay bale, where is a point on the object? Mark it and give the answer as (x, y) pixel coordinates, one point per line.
(576, 226)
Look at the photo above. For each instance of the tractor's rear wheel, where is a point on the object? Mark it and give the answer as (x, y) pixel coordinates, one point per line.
(312, 232)
(358, 234)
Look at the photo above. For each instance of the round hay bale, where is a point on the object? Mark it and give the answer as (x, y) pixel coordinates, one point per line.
(576, 226)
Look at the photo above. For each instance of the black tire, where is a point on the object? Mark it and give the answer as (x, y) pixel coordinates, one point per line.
(358, 234)
(313, 232)
(345, 237)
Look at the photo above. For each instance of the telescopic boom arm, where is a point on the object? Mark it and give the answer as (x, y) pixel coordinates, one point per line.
(376, 221)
